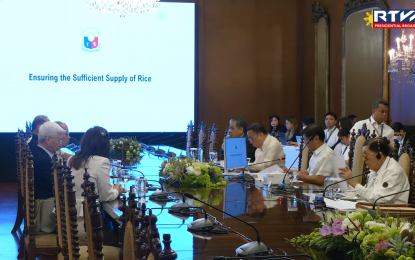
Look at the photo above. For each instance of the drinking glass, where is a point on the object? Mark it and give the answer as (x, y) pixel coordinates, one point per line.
(213, 157)
(125, 177)
(194, 153)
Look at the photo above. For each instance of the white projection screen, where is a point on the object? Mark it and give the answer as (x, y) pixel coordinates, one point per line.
(85, 67)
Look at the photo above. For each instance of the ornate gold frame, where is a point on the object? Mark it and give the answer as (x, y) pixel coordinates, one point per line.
(320, 13)
(350, 7)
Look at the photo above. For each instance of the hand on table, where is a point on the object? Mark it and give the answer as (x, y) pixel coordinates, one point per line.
(119, 188)
(347, 173)
(292, 143)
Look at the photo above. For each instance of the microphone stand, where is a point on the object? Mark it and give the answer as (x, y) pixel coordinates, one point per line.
(288, 188)
(319, 201)
(254, 248)
(244, 177)
(374, 204)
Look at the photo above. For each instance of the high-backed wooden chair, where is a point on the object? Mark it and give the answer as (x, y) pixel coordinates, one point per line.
(189, 138)
(211, 144)
(34, 245)
(201, 144)
(407, 162)
(304, 157)
(20, 199)
(356, 162)
(95, 250)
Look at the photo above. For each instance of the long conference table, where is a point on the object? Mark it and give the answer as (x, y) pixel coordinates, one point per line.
(275, 217)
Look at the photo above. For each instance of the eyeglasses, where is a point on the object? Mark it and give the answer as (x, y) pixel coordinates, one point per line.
(250, 139)
(366, 156)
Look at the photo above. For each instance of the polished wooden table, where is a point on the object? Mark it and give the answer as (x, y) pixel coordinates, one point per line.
(275, 217)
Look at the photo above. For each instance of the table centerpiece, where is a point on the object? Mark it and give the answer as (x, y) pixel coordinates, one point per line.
(359, 235)
(126, 149)
(190, 173)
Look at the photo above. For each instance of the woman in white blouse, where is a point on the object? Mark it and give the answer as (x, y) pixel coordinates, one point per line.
(386, 175)
(94, 154)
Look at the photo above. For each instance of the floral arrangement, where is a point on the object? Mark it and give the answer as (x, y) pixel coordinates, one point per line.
(127, 149)
(359, 235)
(190, 173)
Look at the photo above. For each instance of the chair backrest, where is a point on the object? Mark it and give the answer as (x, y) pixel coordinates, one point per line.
(71, 214)
(358, 164)
(59, 200)
(212, 142)
(201, 140)
(189, 138)
(304, 157)
(30, 198)
(93, 221)
(129, 242)
(405, 163)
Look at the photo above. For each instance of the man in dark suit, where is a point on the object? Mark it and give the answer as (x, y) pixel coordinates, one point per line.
(401, 137)
(36, 124)
(237, 128)
(50, 139)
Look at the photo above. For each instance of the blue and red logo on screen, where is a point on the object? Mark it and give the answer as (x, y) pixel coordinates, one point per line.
(394, 19)
(91, 43)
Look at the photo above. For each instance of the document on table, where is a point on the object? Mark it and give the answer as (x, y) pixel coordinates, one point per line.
(340, 204)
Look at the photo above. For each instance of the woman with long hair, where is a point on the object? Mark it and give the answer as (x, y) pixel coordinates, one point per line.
(275, 125)
(293, 130)
(94, 156)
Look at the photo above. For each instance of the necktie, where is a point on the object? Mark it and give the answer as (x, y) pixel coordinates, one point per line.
(381, 130)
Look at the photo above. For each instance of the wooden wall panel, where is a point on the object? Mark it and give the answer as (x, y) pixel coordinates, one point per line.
(251, 60)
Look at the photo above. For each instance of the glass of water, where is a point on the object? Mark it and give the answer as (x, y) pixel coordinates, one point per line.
(213, 157)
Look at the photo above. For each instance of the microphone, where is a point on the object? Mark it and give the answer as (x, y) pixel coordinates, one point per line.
(253, 248)
(374, 204)
(287, 188)
(250, 178)
(319, 201)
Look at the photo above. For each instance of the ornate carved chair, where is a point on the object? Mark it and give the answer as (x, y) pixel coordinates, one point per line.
(356, 163)
(304, 157)
(20, 199)
(95, 250)
(189, 138)
(39, 244)
(201, 141)
(212, 142)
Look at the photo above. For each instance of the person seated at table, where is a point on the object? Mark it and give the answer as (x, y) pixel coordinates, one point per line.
(344, 148)
(352, 118)
(306, 121)
(386, 175)
(49, 138)
(401, 137)
(331, 132)
(237, 128)
(345, 123)
(268, 148)
(320, 163)
(36, 124)
(94, 154)
(65, 141)
(293, 130)
(275, 126)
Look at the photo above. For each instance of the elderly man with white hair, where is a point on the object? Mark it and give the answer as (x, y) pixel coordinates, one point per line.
(50, 139)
